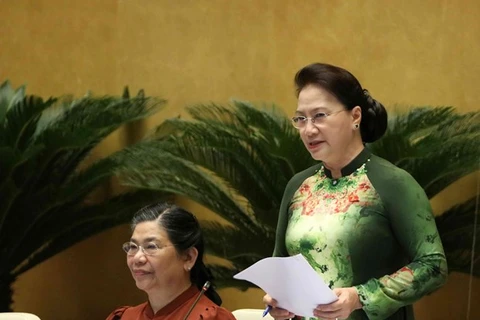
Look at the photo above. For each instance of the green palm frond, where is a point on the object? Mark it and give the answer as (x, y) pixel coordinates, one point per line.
(82, 125)
(164, 171)
(223, 277)
(241, 247)
(238, 149)
(269, 127)
(94, 219)
(229, 237)
(435, 145)
(21, 121)
(46, 189)
(8, 98)
(459, 228)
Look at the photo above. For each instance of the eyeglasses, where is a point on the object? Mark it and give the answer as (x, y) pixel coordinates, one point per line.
(150, 248)
(300, 122)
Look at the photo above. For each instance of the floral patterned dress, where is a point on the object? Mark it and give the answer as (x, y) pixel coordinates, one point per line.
(372, 228)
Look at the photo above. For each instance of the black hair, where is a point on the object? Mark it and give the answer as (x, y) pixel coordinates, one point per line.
(184, 232)
(347, 89)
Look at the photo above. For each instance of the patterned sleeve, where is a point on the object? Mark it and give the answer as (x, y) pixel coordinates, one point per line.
(413, 225)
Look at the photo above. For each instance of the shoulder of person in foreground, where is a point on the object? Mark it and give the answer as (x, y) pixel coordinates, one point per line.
(120, 311)
(206, 309)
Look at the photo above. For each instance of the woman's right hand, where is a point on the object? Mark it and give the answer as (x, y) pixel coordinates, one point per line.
(277, 313)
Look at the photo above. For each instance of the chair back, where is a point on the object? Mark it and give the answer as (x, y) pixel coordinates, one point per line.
(18, 316)
(250, 314)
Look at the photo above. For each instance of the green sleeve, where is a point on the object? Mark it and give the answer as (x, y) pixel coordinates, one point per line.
(413, 225)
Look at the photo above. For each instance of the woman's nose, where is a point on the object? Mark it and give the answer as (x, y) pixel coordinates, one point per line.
(139, 256)
(310, 128)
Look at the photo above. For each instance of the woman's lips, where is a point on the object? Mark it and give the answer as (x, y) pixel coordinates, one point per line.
(315, 144)
(140, 272)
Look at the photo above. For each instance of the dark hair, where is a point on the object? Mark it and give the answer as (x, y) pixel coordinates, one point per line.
(347, 89)
(184, 232)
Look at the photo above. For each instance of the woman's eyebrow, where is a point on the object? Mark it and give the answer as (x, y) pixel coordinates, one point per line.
(314, 110)
(149, 239)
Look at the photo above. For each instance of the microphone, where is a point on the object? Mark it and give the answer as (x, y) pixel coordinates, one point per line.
(204, 288)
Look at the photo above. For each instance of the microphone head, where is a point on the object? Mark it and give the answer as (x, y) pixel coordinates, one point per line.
(206, 286)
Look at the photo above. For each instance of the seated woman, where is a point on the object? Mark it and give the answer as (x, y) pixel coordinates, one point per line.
(165, 257)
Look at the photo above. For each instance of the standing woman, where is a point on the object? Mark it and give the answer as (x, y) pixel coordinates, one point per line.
(365, 225)
(165, 257)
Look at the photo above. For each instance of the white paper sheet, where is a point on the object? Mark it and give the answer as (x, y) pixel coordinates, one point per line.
(291, 281)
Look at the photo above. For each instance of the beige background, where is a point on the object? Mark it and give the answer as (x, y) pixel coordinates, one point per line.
(405, 52)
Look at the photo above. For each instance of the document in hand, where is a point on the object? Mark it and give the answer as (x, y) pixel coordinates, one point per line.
(291, 281)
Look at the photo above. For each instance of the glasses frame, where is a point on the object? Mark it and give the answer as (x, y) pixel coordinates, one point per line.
(142, 248)
(315, 117)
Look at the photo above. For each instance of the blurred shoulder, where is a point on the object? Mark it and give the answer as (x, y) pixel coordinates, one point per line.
(208, 310)
(126, 312)
(117, 313)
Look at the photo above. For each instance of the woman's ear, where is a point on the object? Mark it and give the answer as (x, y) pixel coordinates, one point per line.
(356, 113)
(190, 256)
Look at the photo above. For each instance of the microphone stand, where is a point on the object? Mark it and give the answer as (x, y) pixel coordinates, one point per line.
(204, 288)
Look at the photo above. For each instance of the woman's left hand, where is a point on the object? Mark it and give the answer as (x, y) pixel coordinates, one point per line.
(347, 302)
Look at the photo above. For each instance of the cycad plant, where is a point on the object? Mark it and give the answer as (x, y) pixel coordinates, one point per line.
(236, 161)
(46, 202)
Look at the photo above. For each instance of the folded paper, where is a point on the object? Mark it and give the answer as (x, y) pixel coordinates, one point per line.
(291, 281)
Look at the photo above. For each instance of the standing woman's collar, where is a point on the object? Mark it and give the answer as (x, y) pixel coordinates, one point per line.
(356, 163)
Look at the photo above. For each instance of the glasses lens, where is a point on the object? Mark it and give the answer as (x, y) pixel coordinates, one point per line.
(298, 122)
(319, 116)
(130, 248)
(150, 248)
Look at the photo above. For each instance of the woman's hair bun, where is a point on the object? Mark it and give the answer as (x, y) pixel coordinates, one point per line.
(374, 120)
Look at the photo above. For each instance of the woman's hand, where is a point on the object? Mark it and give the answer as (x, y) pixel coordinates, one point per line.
(277, 313)
(347, 302)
